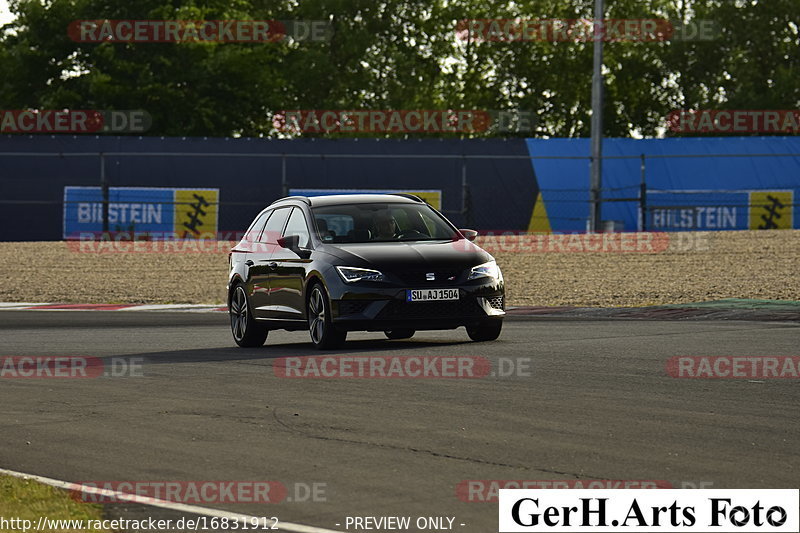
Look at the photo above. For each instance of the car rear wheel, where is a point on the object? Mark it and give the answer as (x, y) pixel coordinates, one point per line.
(246, 331)
(324, 334)
(399, 333)
(485, 332)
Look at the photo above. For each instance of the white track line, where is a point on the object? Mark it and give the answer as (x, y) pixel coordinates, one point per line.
(173, 307)
(154, 502)
(184, 308)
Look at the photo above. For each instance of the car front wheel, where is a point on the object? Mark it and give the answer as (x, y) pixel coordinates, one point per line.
(324, 334)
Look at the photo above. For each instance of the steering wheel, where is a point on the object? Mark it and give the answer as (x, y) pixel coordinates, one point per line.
(410, 233)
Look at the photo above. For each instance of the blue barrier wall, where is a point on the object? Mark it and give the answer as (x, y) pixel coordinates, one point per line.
(502, 191)
(668, 167)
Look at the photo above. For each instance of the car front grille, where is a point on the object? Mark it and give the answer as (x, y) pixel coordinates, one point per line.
(445, 277)
(496, 302)
(436, 309)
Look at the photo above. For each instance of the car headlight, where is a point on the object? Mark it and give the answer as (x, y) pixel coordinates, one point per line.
(351, 274)
(489, 270)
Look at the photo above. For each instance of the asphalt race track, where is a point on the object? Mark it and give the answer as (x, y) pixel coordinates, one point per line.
(587, 400)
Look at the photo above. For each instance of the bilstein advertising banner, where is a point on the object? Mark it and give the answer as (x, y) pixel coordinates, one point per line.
(162, 213)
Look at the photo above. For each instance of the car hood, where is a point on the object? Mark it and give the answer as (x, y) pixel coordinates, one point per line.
(413, 254)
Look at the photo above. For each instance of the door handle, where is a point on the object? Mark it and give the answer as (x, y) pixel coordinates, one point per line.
(273, 265)
(248, 263)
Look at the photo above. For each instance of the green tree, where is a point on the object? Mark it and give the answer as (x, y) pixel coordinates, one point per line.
(401, 54)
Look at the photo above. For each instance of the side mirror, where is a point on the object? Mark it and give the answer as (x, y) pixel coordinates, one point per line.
(292, 242)
(469, 234)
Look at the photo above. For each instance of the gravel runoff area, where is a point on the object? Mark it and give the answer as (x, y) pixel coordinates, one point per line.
(563, 270)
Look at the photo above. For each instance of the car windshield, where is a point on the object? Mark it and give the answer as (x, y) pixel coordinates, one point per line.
(380, 222)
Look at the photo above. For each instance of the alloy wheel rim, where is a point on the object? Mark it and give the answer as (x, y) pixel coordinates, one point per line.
(316, 308)
(239, 314)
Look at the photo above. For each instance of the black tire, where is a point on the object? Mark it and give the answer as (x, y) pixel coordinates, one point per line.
(247, 332)
(486, 332)
(399, 333)
(323, 333)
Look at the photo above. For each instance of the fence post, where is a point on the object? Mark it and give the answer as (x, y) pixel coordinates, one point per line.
(104, 189)
(596, 126)
(466, 210)
(643, 198)
(284, 183)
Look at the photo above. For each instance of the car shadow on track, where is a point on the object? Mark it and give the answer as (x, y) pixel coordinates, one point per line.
(289, 349)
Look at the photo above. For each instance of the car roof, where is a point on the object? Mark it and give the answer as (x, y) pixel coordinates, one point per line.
(342, 199)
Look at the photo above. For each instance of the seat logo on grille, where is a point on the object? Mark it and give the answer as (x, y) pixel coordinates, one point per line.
(430, 276)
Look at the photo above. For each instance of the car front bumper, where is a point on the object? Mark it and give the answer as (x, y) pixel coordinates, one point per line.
(370, 307)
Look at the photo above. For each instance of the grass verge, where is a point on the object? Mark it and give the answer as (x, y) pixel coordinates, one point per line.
(26, 499)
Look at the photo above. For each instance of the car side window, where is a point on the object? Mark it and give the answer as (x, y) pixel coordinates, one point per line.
(256, 227)
(275, 225)
(334, 226)
(297, 226)
(432, 228)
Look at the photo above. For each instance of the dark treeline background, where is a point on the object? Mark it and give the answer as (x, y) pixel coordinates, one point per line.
(400, 54)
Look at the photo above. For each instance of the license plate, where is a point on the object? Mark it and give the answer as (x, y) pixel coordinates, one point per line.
(425, 295)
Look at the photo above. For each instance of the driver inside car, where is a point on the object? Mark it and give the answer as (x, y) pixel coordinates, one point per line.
(384, 227)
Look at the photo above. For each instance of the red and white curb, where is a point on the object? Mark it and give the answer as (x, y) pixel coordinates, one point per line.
(188, 308)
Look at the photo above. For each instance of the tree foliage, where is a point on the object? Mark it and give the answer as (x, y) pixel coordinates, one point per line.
(400, 54)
